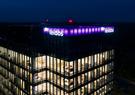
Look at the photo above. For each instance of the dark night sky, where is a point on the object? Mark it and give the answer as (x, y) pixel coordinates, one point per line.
(59, 10)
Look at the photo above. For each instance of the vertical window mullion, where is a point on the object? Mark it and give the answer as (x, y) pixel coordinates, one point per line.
(87, 73)
(48, 78)
(46, 73)
(73, 68)
(60, 76)
(81, 76)
(56, 74)
(64, 77)
(54, 63)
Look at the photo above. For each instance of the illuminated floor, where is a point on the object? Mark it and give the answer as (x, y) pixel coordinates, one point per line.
(22, 74)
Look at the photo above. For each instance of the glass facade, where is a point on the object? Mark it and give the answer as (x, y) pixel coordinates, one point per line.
(48, 75)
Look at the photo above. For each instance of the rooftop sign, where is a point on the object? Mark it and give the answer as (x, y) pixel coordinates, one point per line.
(78, 31)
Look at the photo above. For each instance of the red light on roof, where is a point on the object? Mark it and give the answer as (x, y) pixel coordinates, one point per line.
(70, 21)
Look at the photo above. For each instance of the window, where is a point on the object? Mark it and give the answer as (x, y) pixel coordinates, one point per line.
(58, 65)
(86, 66)
(51, 63)
(71, 68)
(48, 62)
(62, 66)
(54, 64)
(89, 75)
(89, 62)
(79, 65)
(95, 59)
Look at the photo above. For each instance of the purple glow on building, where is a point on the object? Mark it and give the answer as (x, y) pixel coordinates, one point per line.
(66, 32)
(83, 30)
(99, 29)
(93, 30)
(86, 30)
(78, 31)
(89, 30)
(71, 31)
(75, 31)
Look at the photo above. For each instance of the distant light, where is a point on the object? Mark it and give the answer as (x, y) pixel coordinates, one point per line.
(46, 20)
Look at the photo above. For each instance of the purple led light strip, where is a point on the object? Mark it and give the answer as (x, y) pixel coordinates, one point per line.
(78, 31)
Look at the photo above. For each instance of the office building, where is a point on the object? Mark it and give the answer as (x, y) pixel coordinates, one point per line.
(56, 59)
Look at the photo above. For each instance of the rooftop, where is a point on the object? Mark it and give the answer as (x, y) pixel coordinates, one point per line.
(63, 41)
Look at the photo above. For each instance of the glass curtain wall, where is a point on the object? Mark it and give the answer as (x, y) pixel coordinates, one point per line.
(87, 75)
(27, 75)
(15, 69)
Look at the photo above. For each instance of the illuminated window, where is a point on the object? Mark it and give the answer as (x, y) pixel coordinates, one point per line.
(79, 65)
(62, 66)
(54, 64)
(58, 65)
(82, 64)
(48, 62)
(51, 63)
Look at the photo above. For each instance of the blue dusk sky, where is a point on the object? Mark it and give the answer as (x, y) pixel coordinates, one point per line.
(61, 10)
